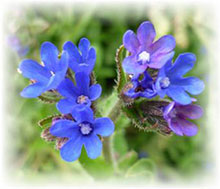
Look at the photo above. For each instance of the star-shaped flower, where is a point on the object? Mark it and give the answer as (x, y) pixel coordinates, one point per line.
(82, 131)
(79, 96)
(82, 59)
(170, 80)
(47, 76)
(144, 52)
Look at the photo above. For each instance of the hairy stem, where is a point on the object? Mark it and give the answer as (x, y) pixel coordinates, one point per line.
(107, 147)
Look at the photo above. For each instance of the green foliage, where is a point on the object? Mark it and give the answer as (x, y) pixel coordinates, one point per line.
(97, 168)
(127, 161)
(142, 169)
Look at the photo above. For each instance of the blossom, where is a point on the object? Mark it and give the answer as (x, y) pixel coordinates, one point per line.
(82, 60)
(144, 52)
(82, 131)
(144, 88)
(170, 80)
(47, 76)
(176, 115)
(78, 96)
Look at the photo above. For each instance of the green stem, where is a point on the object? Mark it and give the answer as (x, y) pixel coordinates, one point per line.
(107, 147)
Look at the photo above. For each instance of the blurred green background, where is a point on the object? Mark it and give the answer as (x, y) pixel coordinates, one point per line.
(28, 156)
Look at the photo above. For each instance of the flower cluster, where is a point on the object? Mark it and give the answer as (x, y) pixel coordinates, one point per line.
(81, 127)
(145, 55)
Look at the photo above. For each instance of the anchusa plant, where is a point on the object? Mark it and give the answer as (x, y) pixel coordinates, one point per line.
(151, 91)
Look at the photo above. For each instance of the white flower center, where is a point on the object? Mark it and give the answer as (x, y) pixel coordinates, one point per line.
(85, 128)
(82, 99)
(144, 56)
(165, 82)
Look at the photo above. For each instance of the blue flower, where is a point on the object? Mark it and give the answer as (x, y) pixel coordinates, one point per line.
(144, 51)
(144, 88)
(79, 96)
(177, 116)
(47, 76)
(82, 131)
(170, 80)
(82, 60)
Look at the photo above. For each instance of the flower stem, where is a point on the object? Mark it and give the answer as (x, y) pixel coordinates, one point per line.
(107, 144)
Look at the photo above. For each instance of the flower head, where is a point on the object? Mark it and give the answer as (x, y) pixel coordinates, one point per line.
(170, 80)
(79, 96)
(176, 115)
(82, 131)
(144, 51)
(144, 88)
(82, 60)
(47, 76)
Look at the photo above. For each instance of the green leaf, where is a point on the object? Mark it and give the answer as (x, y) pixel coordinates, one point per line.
(98, 168)
(142, 168)
(50, 97)
(44, 122)
(119, 144)
(127, 160)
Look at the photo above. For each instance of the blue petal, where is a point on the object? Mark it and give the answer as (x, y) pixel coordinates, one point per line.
(164, 45)
(149, 93)
(183, 127)
(88, 64)
(66, 106)
(179, 95)
(33, 90)
(81, 115)
(159, 61)
(59, 76)
(63, 63)
(167, 109)
(49, 55)
(174, 126)
(67, 89)
(104, 126)
(188, 128)
(130, 41)
(146, 33)
(190, 111)
(192, 85)
(54, 81)
(72, 149)
(84, 45)
(146, 80)
(95, 92)
(82, 83)
(91, 56)
(131, 67)
(32, 70)
(73, 53)
(65, 128)
(131, 92)
(182, 65)
(93, 146)
(160, 92)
